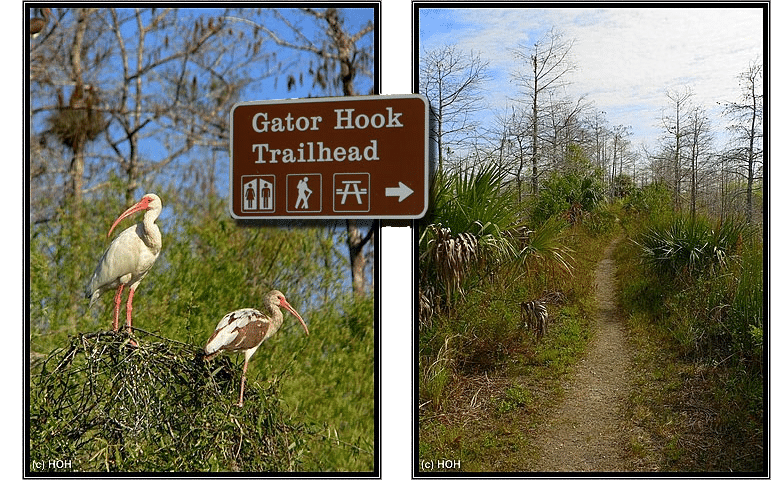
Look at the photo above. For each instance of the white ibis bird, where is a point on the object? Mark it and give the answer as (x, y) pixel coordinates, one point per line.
(129, 257)
(246, 329)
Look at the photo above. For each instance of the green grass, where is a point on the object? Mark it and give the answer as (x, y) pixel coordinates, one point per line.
(697, 395)
(513, 397)
(496, 378)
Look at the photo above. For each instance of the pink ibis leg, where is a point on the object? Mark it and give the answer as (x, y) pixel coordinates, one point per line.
(117, 300)
(130, 309)
(243, 379)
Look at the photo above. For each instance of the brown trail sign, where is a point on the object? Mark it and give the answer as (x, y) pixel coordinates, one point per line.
(339, 157)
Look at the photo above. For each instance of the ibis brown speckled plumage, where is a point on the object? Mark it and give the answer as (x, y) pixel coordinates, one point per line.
(246, 329)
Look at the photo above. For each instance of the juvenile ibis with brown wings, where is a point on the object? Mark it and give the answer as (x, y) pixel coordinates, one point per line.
(246, 329)
(129, 257)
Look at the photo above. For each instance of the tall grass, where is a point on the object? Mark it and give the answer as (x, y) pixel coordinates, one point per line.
(696, 311)
(712, 281)
(436, 374)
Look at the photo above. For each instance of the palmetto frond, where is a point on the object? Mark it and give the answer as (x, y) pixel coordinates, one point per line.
(536, 317)
(448, 257)
(546, 244)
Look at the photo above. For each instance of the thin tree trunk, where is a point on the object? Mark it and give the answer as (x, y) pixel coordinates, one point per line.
(535, 128)
(750, 188)
(76, 170)
(355, 244)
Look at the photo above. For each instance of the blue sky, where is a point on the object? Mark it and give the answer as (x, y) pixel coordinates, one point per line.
(626, 57)
(267, 83)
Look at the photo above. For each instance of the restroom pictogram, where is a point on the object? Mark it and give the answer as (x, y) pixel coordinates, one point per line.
(258, 193)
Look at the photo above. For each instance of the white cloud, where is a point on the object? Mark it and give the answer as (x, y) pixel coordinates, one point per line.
(627, 58)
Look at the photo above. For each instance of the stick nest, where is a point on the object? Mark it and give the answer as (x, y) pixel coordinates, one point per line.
(107, 404)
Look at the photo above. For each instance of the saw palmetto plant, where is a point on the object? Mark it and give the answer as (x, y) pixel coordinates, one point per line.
(473, 227)
(448, 258)
(467, 229)
(690, 246)
(546, 247)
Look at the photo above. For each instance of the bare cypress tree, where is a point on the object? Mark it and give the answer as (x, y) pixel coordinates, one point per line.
(122, 80)
(80, 120)
(451, 80)
(747, 155)
(674, 124)
(549, 62)
(699, 143)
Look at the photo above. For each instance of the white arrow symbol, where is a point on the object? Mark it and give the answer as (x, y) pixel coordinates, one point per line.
(402, 191)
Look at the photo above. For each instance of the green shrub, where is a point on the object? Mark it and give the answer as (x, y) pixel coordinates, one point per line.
(653, 201)
(705, 285)
(561, 193)
(600, 222)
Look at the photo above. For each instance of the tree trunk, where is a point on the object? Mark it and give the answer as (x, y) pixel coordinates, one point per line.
(752, 134)
(355, 244)
(535, 128)
(345, 46)
(76, 170)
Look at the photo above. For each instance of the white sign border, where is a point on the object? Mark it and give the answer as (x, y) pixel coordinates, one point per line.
(346, 215)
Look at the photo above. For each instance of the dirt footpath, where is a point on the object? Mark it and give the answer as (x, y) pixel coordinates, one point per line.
(585, 433)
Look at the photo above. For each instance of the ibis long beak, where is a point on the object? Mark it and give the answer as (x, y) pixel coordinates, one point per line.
(287, 306)
(142, 205)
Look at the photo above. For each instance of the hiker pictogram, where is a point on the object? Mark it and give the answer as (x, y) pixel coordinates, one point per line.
(304, 193)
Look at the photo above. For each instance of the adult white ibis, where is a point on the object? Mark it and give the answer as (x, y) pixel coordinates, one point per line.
(246, 329)
(129, 257)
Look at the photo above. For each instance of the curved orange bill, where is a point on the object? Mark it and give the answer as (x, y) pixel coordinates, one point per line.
(287, 306)
(142, 205)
